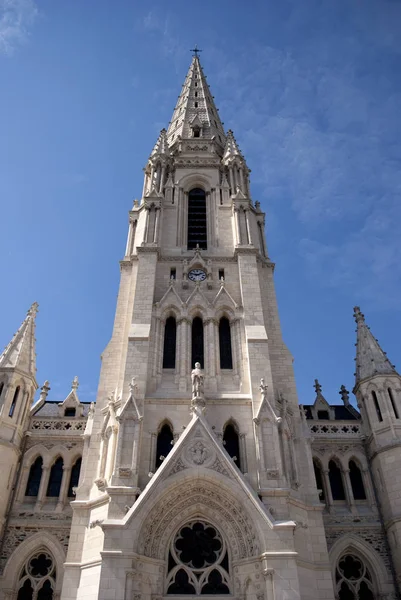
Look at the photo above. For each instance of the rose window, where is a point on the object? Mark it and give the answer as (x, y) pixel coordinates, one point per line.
(198, 561)
(38, 578)
(353, 579)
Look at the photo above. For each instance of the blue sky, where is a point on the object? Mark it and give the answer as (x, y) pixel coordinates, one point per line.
(312, 91)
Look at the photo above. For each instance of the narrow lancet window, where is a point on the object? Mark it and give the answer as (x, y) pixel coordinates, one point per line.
(197, 342)
(226, 357)
(377, 406)
(14, 402)
(319, 480)
(231, 443)
(197, 227)
(170, 340)
(164, 444)
(56, 475)
(35, 475)
(393, 404)
(336, 481)
(74, 478)
(355, 475)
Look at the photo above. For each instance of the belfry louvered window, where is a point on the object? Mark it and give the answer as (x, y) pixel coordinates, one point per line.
(197, 226)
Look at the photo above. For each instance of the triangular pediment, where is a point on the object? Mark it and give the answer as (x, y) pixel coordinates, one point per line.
(198, 450)
(196, 122)
(171, 297)
(223, 297)
(197, 297)
(239, 195)
(129, 410)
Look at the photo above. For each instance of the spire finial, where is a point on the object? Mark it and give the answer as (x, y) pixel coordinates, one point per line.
(344, 393)
(75, 383)
(33, 309)
(195, 50)
(318, 387)
(358, 316)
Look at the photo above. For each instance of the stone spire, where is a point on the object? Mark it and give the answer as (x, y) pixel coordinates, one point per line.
(20, 353)
(231, 149)
(161, 147)
(370, 358)
(195, 108)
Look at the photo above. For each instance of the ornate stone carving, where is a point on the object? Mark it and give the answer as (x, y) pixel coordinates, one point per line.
(16, 535)
(168, 512)
(198, 453)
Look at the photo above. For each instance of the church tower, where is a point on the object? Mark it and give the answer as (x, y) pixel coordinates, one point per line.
(17, 388)
(197, 474)
(378, 392)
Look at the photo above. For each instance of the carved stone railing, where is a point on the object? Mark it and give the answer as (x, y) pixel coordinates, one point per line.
(335, 429)
(55, 425)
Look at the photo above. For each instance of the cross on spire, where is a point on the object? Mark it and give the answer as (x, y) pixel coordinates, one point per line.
(195, 50)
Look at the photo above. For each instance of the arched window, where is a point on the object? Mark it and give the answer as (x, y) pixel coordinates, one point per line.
(164, 444)
(198, 561)
(1, 388)
(197, 354)
(38, 578)
(197, 231)
(56, 475)
(377, 406)
(226, 356)
(319, 480)
(35, 475)
(231, 443)
(14, 402)
(70, 412)
(170, 340)
(393, 404)
(355, 475)
(74, 479)
(336, 481)
(353, 579)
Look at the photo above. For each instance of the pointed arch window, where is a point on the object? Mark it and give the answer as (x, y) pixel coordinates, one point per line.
(197, 226)
(35, 475)
(355, 475)
(14, 402)
(336, 481)
(231, 443)
(393, 404)
(170, 341)
(377, 406)
(56, 475)
(1, 388)
(197, 342)
(164, 444)
(38, 578)
(319, 480)
(74, 478)
(353, 579)
(226, 356)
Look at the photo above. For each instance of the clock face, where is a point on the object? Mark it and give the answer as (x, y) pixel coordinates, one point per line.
(197, 275)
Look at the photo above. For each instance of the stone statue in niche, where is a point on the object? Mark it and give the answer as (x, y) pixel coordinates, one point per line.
(197, 379)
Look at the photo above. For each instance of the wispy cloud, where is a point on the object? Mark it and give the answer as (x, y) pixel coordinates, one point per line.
(319, 121)
(16, 19)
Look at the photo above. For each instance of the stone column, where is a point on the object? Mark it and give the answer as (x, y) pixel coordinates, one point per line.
(152, 454)
(237, 227)
(62, 497)
(210, 352)
(44, 481)
(157, 225)
(162, 178)
(349, 495)
(248, 230)
(145, 181)
(23, 483)
(128, 251)
(241, 178)
(329, 495)
(145, 233)
(243, 457)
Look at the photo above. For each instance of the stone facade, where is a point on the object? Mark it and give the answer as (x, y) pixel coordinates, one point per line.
(204, 479)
